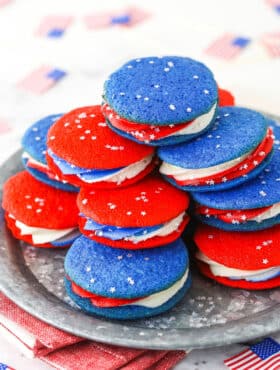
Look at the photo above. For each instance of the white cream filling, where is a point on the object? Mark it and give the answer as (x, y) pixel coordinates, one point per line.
(271, 212)
(126, 173)
(26, 155)
(181, 174)
(218, 269)
(198, 124)
(41, 235)
(166, 229)
(158, 299)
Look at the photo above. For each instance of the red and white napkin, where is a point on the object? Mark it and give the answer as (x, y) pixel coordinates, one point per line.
(64, 351)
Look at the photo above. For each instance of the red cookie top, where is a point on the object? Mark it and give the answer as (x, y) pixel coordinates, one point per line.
(37, 204)
(149, 202)
(245, 251)
(225, 98)
(82, 137)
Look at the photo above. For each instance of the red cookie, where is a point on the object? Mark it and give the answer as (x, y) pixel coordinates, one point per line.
(147, 214)
(225, 98)
(29, 203)
(84, 151)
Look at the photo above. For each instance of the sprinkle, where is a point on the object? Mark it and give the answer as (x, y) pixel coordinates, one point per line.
(79, 126)
(210, 236)
(138, 96)
(84, 201)
(77, 121)
(255, 163)
(130, 280)
(172, 107)
(122, 93)
(88, 268)
(87, 132)
(102, 124)
(143, 213)
(27, 196)
(224, 179)
(35, 129)
(112, 289)
(82, 137)
(92, 115)
(129, 67)
(66, 124)
(151, 62)
(226, 114)
(265, 261)
(195, 77)
(170, 64)
(166, 69)
(156, 86)
(129, 213)
(120, 258)
(262, 193)
(146, 258)
(92, 280)
(93, 138)
(29, 206)
(38, 210)
(218, 146)
(129, 255)
(37, 138)
(258, 247)
(82, 115)
(206, 91)
(146, 98)
(52, 137)
(189, 109)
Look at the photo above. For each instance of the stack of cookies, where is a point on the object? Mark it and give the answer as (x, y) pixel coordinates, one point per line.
(164, 130)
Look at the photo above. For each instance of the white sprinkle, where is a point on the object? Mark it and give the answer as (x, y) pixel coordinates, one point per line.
(129, 255)
(92, 115)
(129, 67)
(151, 62)
(130, 280)
(112, 289)
(93, 138)
(146, 258)
(29, 206)
(258, 247)
(35, 129)
(265, 261)
(38, 210)
(206, 91)
(52, 137)
(82, 137)
(170, 64)
(79, 126)
(82, 115)
(172, 107)
(226, 114)
(87, 132)
(195, 77)
(129, 213)
(37, 138)
(189, 109)
(120, 257)
(122, 93)
(77, 121)
(138, 60)
(146, 98)
(66, 124)
(218, 146)
(262, 193)
(138, 96)
(143, 213)
(210, 236)
(84, 201)
(27, 196)
(92, 280)
(44, 151)
(156, 86)
(88, 268)
(166, 69)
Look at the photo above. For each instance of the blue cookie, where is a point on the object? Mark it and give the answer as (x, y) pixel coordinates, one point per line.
(35, 147)
(250, 204)
(236, 149)
(121, 291)
(160, 100)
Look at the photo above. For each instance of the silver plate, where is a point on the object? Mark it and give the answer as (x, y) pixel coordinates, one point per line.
(210, 315)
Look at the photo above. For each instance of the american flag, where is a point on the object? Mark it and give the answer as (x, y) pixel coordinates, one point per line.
(261, 356)
(228, 46)
(275, 4)
(54, 25)
(271, 42)
(41, 79)
(125, 18)
(5, 367)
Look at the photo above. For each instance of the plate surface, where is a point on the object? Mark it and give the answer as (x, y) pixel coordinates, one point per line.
(210, 315)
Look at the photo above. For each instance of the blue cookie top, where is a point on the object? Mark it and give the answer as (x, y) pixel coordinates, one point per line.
(235, 132)
(34, 140)
(262, 191)
(161, 91)
(120, 273)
